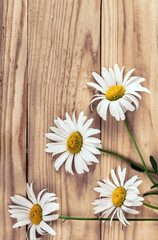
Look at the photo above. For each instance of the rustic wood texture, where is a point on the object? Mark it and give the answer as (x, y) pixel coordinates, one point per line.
(13, 73)
(129, 38)
(48, 50)
(64, 48)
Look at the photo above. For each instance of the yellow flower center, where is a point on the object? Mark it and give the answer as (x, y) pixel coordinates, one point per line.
(115, 92)
(118, 196)
(74, 142)
(36, 214)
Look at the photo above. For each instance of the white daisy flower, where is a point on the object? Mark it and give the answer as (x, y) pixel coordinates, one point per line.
(34, 212)
(118, 196)
(117, 93)
(73, 140)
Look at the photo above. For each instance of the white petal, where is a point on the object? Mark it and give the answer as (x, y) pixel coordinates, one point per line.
(127, 76)
(47, 228)
(131, 196)
(115, 110)
(59, 150)
(70, 122)
(74, 118)
(118, 75)
(60, 160)
(112, 216)
(126, 104)
(133, 93)
(17, 199)
(80, 165)
(51, 199)
(102, 108)
(132, 99)
(100, 80)
(111, 72)
(32, 233)
(40, 231)
(21, 223)
(64, 126)
(55, 137)
(86, 126)
(136, 184)
(94, 85)
(95, 99)
(39, 195)
(65, 133)
(108, 80)
(68, 164)
(31, 194)
(120, 110)
(131, 181)
(115, 178)
(88, 156)
(140, 89)
(49, 208)
(122, 71)
(120, 216)
(81, 121)
(21, 215)
(50, 217)
(120, 174)
(92, 149)
(109, 183)
(19, 208)
(123, 217)
(128, 210)
(55, 145)
(56, 150)
(123, 176)
(25, 211)
(107, 213)
(92, 140)
(90, 132)
(58, 131)
(45, 198)
(103, 192)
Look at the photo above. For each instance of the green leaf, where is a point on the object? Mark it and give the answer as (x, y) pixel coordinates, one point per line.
(154, 186)
(150, 193)
(137, 168)
(153, 163)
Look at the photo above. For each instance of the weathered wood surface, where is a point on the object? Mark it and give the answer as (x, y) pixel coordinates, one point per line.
(48, 50)
(13, 97)
(129, 38)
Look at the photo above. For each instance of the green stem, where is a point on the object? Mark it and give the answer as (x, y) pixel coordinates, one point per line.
(150, 206)
(125, 159)
(106, 219)
(139, 153)
(150, 193)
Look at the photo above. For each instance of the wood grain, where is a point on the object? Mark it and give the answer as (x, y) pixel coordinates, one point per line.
(64, 48)
(13, 69)
(129, 37)
(48, 50)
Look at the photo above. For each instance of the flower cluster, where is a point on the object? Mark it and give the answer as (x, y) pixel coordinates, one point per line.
(73, 144)
(118, 196)
(117, 93)
(35, 212)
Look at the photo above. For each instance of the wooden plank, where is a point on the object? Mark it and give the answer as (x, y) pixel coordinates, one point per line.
(129, 37)
(13, 66)
(64, 48)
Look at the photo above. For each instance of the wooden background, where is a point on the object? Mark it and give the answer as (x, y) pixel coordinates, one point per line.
(48, 49)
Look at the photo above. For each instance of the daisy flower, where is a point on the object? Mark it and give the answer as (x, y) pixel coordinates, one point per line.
(117, 93)
(34, 212)
(118, 197)
(73, 140)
